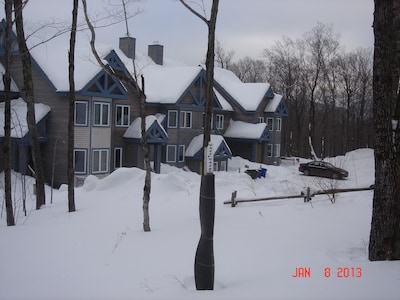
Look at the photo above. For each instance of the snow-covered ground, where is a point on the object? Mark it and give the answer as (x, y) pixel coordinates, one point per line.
(101, 252)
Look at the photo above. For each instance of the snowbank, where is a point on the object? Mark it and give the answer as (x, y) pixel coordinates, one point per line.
(101, 252)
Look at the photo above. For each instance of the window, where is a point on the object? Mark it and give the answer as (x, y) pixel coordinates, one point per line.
(100, 161)
(220, 121)
(278, 124)
(186, 119)
(117, 158)
(101, 114)
(181, 153)
(171, 153)
(80, 113)
(172, 119)
(122, 115)
(269, 150)
(215, 166)
(223, 165)
(270, 123)
(80, 161)
(277, 150)
(261, 120)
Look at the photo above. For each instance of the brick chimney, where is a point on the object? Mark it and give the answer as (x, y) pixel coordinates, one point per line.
(156, 52)
(128, 46)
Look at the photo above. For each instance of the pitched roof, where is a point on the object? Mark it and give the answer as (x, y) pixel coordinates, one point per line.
(247, 95)
(244, 130)
(165, 85)
(197, 144)
(134, 131)
(19, 125)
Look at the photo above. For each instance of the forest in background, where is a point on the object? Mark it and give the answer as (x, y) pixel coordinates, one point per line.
(327, 90)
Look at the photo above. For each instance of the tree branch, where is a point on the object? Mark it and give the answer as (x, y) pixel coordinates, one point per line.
(194, 12)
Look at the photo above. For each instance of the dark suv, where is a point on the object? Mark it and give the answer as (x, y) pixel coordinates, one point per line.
(322, 169)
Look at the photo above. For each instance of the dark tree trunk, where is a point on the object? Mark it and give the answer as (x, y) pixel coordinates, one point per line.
(204, 258)
(71, 58)
(7, 116)
(384, 241)
(30, 116)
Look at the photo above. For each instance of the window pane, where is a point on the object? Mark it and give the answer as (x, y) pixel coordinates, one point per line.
(269, 150)
(104, 120)
(119, 116)
(270, 123)
(188, 119)
(103, 161)
(172, 119)
(171, 153)
(118, 158)
(96, 166)
(80, 161)
(181, 153)
(182, 119)
(80, 113)
(97, 109)
(126, 117)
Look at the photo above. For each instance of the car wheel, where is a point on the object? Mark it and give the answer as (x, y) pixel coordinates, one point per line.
(306, 172)
(335, 176)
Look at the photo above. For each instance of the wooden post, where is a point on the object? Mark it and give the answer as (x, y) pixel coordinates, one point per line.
(307, 196)
(233, 199)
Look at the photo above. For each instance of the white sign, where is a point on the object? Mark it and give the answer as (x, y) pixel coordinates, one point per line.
(209, 159)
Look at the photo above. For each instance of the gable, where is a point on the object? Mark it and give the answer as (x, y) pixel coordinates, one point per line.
(104, 85)
(195, 94)
(281, 109)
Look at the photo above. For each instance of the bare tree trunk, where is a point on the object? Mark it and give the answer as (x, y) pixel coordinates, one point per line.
(30, 116)
(71, 58)
(384, 243)
(7, 117)
(128, 81)
(145, 149)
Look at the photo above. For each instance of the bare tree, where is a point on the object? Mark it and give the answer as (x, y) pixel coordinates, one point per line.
(248, 69)
(318, 46)
(204, 258)
(71, 117)
(7, 116)
(223, 57)
(132, 83)
(29, 97)
(384, 243)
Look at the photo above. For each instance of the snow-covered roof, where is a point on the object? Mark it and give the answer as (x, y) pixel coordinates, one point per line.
(13, 87)
(273, 103)
(19, 126)
(248, 95)
(197, 144)
(244, 130)
(223, 101)
(134, 131)
(165, 84)
(52, 58)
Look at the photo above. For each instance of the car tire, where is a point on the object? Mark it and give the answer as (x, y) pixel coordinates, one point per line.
(306, 172)
(335, 176)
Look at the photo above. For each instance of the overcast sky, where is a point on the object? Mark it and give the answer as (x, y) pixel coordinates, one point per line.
(245, 26)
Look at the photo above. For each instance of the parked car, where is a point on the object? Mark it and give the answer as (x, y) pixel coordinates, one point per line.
(322, 169)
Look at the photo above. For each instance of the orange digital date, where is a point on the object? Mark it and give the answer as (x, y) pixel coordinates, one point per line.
(344, 272)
